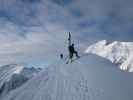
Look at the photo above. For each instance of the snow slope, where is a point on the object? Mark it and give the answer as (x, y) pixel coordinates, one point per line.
(16, 81)
(7, 71)
(13, 76)
(88, 78)
(120, 53)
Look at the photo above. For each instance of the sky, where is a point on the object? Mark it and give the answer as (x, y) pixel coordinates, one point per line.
(34, 32)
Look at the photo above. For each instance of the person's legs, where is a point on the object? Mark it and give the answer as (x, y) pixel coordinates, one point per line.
(76, 53)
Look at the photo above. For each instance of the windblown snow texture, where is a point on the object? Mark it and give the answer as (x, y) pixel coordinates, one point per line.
(120, 53)
(88, 78)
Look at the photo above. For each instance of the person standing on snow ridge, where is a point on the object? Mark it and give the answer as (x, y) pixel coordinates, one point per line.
(71, 48)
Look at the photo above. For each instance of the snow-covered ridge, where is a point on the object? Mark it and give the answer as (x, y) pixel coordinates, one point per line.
(13, 76)
(88, 78)
(7, 71)
(120, 53)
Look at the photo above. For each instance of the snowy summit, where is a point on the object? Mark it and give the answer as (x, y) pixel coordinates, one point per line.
(88, 78)
(120, 53)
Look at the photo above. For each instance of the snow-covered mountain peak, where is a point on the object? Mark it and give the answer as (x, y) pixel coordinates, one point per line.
(17, 68)
(117, 52)
(7, 71)
(88, 78)
(13, 76)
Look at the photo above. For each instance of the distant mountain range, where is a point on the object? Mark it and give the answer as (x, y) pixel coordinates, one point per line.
(13, 76)
(120, 53)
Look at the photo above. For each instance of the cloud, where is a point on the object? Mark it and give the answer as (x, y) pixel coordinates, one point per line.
(113, 16)
(36, 29)
(62, 2)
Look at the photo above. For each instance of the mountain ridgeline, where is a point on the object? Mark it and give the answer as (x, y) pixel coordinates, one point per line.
(120, 53)
(13, 76)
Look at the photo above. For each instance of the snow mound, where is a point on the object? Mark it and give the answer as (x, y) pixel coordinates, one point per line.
(88, 78)
(120, 53)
